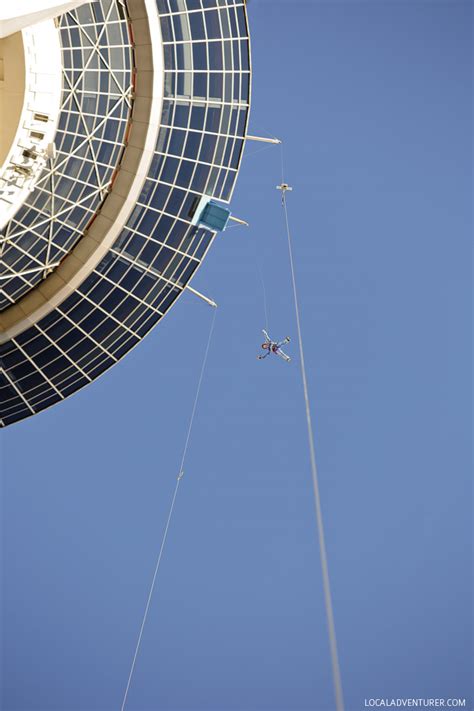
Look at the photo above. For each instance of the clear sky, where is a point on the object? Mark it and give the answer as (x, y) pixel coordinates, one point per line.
(373, 102)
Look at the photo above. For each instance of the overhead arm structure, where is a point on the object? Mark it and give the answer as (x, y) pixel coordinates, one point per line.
(98, 192)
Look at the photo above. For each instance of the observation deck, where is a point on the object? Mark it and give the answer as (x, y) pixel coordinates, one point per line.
(152, 117)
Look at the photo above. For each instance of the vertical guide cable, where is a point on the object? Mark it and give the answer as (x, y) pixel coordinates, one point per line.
(336, 671)
(170, 513)
(264, 291)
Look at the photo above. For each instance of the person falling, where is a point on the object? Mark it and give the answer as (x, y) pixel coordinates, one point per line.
(274, 347)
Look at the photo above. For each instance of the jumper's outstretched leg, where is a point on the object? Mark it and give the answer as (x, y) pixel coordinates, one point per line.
(283, 355)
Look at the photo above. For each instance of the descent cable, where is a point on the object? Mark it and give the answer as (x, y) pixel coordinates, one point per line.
(170, 514)
(336, 671)
(264, 292)
(262, 282)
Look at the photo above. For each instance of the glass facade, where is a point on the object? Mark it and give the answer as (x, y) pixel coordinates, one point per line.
(96, 108)
(198, 151)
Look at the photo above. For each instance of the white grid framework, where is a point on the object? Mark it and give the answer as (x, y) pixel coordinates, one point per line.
(96, 106)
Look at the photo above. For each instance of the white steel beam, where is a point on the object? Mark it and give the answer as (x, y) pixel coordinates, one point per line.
(276, 141)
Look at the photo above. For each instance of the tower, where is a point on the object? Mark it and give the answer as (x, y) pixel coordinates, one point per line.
(121, 121)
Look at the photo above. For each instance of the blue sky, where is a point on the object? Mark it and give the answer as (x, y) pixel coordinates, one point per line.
(373, 102)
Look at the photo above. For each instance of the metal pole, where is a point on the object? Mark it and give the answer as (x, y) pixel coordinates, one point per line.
(276, 141)
(240, 222)
(201, 296)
